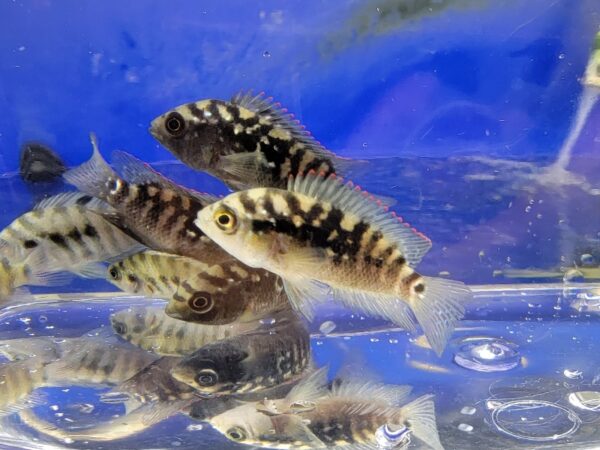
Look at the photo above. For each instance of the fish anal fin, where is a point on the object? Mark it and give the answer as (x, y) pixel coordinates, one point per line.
(304, 294)
(420, 415)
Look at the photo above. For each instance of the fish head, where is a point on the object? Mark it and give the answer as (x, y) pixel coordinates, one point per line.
(192, 132)
(124, 277)
(242, 231)
(215, 369)
(393, 436)
(131, 322)
(244, 425)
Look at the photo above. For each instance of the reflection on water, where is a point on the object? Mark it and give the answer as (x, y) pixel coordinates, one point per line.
(526, 382)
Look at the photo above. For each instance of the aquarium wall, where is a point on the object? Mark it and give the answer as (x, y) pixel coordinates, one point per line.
(474, 121)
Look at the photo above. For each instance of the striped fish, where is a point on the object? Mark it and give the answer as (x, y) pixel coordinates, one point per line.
(247, 142)
(149, 328)
(67, 232)
(249, 362)
(154, 209)
(200, 291)
(352, 415)
(321, 234)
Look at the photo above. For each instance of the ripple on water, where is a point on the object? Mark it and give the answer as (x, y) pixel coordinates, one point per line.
(535, 420)
(585, 400)
(487, 354)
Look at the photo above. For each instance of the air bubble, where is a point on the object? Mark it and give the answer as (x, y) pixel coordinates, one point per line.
(587, 259)
(195, 427)
(42, 319)
(266, 54)
(327, 327)
(573, 374)
(486, 354)
(468, 411)
(465, 427)
(535, 420)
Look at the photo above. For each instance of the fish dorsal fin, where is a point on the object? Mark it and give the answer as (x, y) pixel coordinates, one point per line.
(351, 199)
(267, 107)
(67, 199)
(136, 171)
(391, 395)
(311, 388)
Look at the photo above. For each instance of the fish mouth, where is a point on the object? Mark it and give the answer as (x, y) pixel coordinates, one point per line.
(153, 132)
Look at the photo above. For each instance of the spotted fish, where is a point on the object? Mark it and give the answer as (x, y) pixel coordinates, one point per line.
(352, 415)
(249, 362)
(247, 142)
(200, 291)
(154, 209)
(149, 328)
(321, 234)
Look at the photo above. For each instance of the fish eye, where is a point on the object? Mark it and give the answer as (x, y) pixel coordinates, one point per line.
(226, 220)
(175, 124)
(236, 434)
(207, 378)
(201, 303)
(114, 273)
(120, 328)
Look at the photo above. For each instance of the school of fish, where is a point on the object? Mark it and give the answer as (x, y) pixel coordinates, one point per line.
(229, 283)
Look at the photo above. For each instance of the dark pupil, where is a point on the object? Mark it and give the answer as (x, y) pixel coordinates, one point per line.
(206, 380)
(173, 125)
(114, 273)
(200, 302)
(224, 219)
(235, 435)
(120, 328)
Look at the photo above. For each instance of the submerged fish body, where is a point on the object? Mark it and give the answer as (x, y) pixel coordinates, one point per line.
(200, 291)
(149, 328)
(246, 142)
(352, 415)
(323, 233)
(151, 207)
(249, 362)
(18, 381)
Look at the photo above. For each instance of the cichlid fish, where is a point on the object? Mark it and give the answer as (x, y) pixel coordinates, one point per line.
(158, 212)
(249, 141)
(149, 328)
(95, 361)
(322, 232)
(249, 362)
(70, 232)
(200, 291)
(352, 415)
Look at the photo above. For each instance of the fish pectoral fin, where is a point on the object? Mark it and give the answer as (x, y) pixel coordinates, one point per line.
(247, 166)
(378, 305)
(304, 294)
(156, 412)
(439, 309)
(420, 415)
(310, 388)
(287, 426)
(90, 270)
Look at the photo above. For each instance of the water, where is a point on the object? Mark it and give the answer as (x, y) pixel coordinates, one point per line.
(477, 117)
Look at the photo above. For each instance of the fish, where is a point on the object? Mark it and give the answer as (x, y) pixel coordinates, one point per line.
(249, 362)
(249, 141)
(70, 232)
(93, 361)
(199, 291)
(324, 236)
(151, 207)
(149, 328)
(40, 164)
(353, 415)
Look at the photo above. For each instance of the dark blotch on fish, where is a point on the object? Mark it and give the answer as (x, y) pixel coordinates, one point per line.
(39, 164)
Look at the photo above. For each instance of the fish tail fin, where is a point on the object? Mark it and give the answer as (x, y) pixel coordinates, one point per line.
(420, 414)
(439, 309)
(93, 177)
